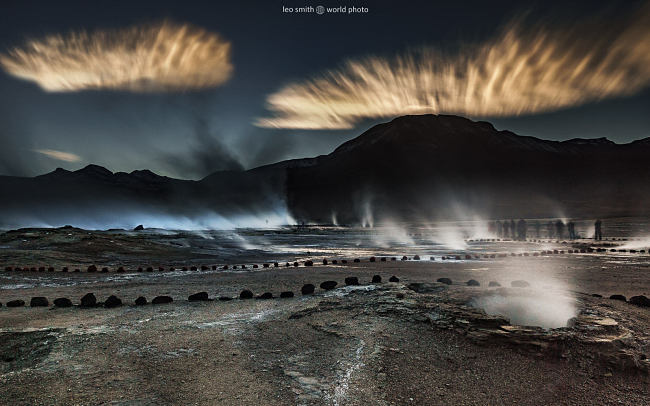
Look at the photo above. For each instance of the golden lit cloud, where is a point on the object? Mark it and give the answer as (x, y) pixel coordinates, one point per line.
(525, 69)
(151, 58)
(60, 155)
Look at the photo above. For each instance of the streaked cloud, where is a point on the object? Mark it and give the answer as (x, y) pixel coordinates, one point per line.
(149, 58)
(60, 155)
(526, 69)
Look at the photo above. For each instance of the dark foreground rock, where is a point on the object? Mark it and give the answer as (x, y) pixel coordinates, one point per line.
(112, 301)
(39, 301)
(446, 281)
(286, 295)
(16, 303)
(393, 279)
(198, 297)
(494, 284)
(351, 281)
(641, 300)
(618, 297)
(473, 282)
(266, 296)
(307, 289)
(376, 279)
(162, 300)
(141, 301)
(246, 294)
(328, 285)
(62, 302)
(89, 300)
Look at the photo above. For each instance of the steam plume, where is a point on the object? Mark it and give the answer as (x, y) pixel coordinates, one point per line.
(158, 57)
(525, 69)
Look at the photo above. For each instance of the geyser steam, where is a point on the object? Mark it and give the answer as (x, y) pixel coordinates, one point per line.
(157, 57)
(525, 69)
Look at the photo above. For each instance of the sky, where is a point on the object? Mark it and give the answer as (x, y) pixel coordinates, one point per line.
(276, 85)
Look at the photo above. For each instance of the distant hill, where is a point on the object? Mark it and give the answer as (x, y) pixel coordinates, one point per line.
(413, 167)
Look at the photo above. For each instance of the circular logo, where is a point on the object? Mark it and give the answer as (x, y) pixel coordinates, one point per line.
(320, 10)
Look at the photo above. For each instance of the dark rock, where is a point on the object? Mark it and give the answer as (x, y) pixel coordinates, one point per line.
(423, 287)
(266, 295)
(41, 269)
(393, 279)
(246, 294)
(286, 295)
(393, 259)
(214, 267)
(295, 264)
(383, 259)
(473, 282)
(161, 300)
(203, 268)
(224, 267)
(376, 279)
(275, 264)
(198, 297)
(224, 298)
(141, 301)
(416, 258)
(92, 268)
(351, 280)
(404, 258)
(16, 303)
(307, 289)
(139, 227)
(640, 301)
(255, 266)
(344, 261)
(104, 270)
(618, 297)
(62, 302)
(89, 300)
(39, 301)
(494, 284)
(324, 261)
(519, 284)
(149, 269)
(328, 285)
(446, 281)
(357, 260)
(50, 269)
(112, 301)
(309, 263)
(596, 295)
(372, 259)
(120, 269)
(265, 265)
(64, 269)
(334, 261)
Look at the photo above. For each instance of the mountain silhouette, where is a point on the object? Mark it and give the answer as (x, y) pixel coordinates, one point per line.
(411, 168)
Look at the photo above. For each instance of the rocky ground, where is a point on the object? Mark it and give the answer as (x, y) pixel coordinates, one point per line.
(409, 342)
(414, 341)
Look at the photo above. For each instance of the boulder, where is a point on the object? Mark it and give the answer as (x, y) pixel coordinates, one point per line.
(295, 264)
(344, 261)
(404, 258)
(139, 227)
(519, 284)
(50, 269)
(39, 301)
(224, 298)
(104, 270)
(112, 301)
(265, 265)
(309, 263)
(328, 285)
(141, 301)
(334, 261)
(307, 289)
(266, 295)
(393, 279)
(286, 295)
(92, 268)
(120, 269)
(64, 269)
(198, 297)
(423, 287)
(161, 300)
(596, 295)
(324, 261)
(203, 268)
(473, 282)
(376, 279)
(16, 303)
(494, 284)
(89, 300)
(618, 297)
(246, 294)
(255, 266)
(640, 301)
(446, 281)
(372, 259)
(383, 259)
(62, 302)
(351, 280)
(416, 258)
(357, 260)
